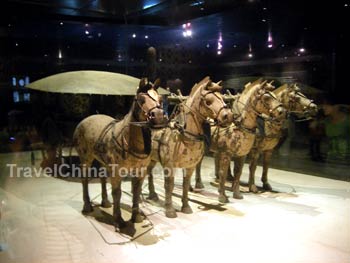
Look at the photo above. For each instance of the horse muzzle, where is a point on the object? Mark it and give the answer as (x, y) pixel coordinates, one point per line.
(225, 117)
(157, 117)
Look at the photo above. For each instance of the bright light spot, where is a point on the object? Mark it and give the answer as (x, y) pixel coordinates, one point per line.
(184, 26)
(61, 23)
(269, 45)
(134, 35)
(188, 24)
(346, 5)
(263, 20)
(99, 34)
(149, 4)
(264, 8)
(208, 46)
(160, 60)
(184, 33)
(250, 55)
(219, 45)
(234, 46)
(16, 44)
(86, 25)
(302, 50)
(189, 33)
(146, 36)
(219, 52)
(87, 32)
(59, 54)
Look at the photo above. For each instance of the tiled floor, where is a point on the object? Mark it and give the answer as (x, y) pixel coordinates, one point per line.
(306, 220)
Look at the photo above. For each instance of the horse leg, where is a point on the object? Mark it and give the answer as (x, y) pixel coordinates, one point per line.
(116, 194)
(252, 168)
(169, 187)
(229, 173)
(223, 162)
(266, 162)
(185, 188)
(199, 183)
(152, 192)
(239, 162)
(137, 180)
(105, 202)
(85, 182)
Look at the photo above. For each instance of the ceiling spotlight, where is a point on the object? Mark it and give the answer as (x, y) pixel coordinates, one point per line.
(302, 50)
(183, 25)
(270, 45)
(263, 20)
(189, 33)
(87, 32)
(16, 44)
(146, 36)
(250, 55)
(219, 52)
(208, 46)
(134, 35)
(61, 23)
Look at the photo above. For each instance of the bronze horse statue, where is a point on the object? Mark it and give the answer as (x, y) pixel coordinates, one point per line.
(237, 139)
(122, 147)
(182, 146)
(294, 102)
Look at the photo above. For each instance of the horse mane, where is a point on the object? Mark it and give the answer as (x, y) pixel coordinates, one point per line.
(280, 89)
(198, 85)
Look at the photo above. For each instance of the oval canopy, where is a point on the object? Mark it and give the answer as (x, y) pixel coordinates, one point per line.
(89, 82)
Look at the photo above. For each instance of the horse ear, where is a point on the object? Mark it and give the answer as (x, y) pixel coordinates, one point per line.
(156, 84)
(209, 84)
(143, 82)
(219, 83)
(280, 89)
(143, 86)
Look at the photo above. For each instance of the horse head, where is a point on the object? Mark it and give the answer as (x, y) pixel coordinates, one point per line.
(210, 103)
(149, 103)
(264, 102)
(295, 101)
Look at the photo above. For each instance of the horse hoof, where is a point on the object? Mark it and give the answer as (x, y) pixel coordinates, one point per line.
(237, 195)
(253, 188)
(223, 199)
(153, 196)
(137, 218)
(106, 203)
(267, 187)
(87, 208)
(170, 213)
(186, 210)
(120, 223)
(199, 185)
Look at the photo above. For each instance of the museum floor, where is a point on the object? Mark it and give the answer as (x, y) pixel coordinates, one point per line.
(306, 220)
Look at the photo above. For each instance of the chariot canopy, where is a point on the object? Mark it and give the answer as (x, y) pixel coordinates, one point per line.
(89, 82)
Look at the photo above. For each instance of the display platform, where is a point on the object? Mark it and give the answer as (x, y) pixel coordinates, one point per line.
(305, 219)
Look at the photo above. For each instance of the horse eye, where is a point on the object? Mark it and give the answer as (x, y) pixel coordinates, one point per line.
(208, 102)
(142, 100)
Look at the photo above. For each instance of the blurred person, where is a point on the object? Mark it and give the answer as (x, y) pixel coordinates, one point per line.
(337, 129)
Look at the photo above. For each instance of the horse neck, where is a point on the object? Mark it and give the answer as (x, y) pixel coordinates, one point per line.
(132, 133)
(248, 117)
(193, 121)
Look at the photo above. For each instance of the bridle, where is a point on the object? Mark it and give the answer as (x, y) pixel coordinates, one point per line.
(253, 104)
(147, 113)
(292, 103)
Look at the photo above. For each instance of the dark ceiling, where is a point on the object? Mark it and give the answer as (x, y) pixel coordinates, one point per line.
(105, 32)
